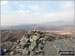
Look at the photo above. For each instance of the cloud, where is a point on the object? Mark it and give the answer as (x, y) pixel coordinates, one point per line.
(16, 3)
(68, 4)
(64, 15)
(21, 5)
(4, 2)
(23, 12)
(34, 7)
(40, 17)
(10, 20)
(31, 7)
(25, 17)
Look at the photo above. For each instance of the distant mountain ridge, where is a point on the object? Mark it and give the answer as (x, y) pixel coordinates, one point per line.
(43, 26)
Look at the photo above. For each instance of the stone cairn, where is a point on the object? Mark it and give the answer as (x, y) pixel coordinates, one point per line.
(32, 43)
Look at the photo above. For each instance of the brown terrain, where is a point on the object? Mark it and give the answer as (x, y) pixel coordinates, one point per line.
(54, 42)
(11, 35)
(14, 35)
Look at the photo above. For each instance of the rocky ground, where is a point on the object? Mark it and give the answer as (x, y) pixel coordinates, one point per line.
(36, 42)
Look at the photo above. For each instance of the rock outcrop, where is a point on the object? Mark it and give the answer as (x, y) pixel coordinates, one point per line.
(38, 43)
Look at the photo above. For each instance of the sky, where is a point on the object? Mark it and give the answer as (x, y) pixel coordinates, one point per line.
(35, 12)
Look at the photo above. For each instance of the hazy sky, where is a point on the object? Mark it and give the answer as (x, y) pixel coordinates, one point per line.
(34, 12)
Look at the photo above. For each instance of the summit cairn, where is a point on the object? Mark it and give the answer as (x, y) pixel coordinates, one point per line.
(32, 43)
(38, 43)
(33, 29)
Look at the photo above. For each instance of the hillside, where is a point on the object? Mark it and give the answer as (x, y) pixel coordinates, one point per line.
(35, 42)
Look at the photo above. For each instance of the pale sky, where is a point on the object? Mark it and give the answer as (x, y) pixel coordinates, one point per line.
(35, 12)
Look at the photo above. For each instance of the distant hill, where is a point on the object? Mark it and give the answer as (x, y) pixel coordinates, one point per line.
(22, 27)
(56, 25)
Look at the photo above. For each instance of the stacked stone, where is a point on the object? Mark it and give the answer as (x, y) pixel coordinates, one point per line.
(34, 43)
